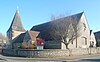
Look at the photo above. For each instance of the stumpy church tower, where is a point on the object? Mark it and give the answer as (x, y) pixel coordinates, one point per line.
(16, 27)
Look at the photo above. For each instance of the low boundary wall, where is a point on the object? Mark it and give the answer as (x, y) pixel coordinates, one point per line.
(50, 52)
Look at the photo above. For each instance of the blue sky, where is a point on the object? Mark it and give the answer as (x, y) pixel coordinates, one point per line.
(33, 12)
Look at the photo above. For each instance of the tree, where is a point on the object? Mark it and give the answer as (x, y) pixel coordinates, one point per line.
(24, 45)
(32, 46)
(3, 40)
(2, 36)
(65, 30)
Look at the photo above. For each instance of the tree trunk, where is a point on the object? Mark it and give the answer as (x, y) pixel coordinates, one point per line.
(76, 39)
(76, 42)
(66, 46)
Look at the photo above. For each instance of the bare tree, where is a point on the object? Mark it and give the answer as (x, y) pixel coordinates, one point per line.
(65, 30)
(3, 40)
(3, 36)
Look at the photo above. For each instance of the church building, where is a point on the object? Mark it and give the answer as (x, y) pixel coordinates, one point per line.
(18, 36)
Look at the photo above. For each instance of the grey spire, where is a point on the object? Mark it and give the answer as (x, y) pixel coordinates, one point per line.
(16, 22)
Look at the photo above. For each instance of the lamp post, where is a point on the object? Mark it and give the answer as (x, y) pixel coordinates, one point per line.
(2, 44)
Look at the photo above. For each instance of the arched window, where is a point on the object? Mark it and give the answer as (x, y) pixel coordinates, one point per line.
(85, 40)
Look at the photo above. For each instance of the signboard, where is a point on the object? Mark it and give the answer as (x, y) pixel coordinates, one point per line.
(40, 42)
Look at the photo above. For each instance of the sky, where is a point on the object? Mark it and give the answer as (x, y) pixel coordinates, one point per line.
(34, 12)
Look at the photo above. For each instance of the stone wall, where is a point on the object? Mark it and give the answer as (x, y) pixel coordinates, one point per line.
(51, 52)
(98, 50)
(43, 53)
(10, 52)
(79, 51)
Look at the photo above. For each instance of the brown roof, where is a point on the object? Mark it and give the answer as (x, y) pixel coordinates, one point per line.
(33, 34)
(16, 23)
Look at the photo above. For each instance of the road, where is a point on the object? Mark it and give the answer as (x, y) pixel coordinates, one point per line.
(94, 58)
(90, 59)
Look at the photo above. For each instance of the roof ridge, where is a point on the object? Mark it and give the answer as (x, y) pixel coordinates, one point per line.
(78, 16)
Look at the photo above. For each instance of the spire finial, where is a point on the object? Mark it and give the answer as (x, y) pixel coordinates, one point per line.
(17, 9)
